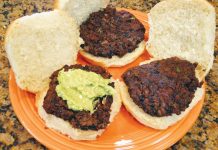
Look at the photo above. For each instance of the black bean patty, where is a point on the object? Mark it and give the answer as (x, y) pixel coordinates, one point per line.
(109, 32)
(163, 87)
(79, 119)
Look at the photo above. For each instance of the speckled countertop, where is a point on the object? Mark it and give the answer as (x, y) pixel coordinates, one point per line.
(203, 135)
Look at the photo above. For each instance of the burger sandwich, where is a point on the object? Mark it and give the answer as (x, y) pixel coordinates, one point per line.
(109, 37)
(161, 92)
(78, 101)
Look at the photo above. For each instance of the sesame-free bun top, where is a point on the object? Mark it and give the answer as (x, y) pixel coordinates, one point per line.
(183, 28)
(80, 9)
(39, 44)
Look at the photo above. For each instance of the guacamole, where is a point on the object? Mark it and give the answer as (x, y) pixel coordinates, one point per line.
(81, 88)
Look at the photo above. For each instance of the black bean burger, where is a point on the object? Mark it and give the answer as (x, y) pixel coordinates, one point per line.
(81, 101)
(112, 38)
(109, 36)
(160, 93)
(181, 41)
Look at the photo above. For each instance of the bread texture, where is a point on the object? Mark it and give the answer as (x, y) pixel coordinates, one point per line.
(65, 127)
(39, 44)
(183, 28)
(115, 61)
(80, 9)
(151, 121)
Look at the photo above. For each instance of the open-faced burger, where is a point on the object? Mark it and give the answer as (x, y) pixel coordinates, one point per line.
(109, 37)
(80, 102)
(163, 90)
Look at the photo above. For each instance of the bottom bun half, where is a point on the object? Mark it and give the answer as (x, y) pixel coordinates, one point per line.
(66, 128)
(115, 61)
(152, 121)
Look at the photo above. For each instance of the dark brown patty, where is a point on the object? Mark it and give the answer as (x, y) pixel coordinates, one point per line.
(109, 32)
(163, 87)
(79, 119)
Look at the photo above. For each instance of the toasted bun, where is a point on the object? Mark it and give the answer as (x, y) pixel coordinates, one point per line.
(64, 127)
(183, 28)
(156, 122)
(80, 9)
(115, 61)
(39, 44)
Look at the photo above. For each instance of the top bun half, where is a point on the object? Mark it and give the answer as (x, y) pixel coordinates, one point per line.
(39, 44)
(183, 28)
(80, 9)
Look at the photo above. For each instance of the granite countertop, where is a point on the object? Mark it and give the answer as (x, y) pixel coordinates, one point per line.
(203, 135)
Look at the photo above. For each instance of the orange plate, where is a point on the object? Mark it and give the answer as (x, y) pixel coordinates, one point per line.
(123, 133)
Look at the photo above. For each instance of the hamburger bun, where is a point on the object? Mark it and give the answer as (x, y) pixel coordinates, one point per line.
(178, 28)
(39, 44)
(156, 122)
(80, 9)
(115, 61)
(183, 28)
(66, 128)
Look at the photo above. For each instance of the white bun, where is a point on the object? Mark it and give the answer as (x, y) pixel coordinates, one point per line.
(151, 121)
(115, 61)
(39, 44)
(183, 28)
(80, 9)
(64, 127)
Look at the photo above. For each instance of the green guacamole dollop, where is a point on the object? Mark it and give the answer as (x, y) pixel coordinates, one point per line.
(82, 88)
